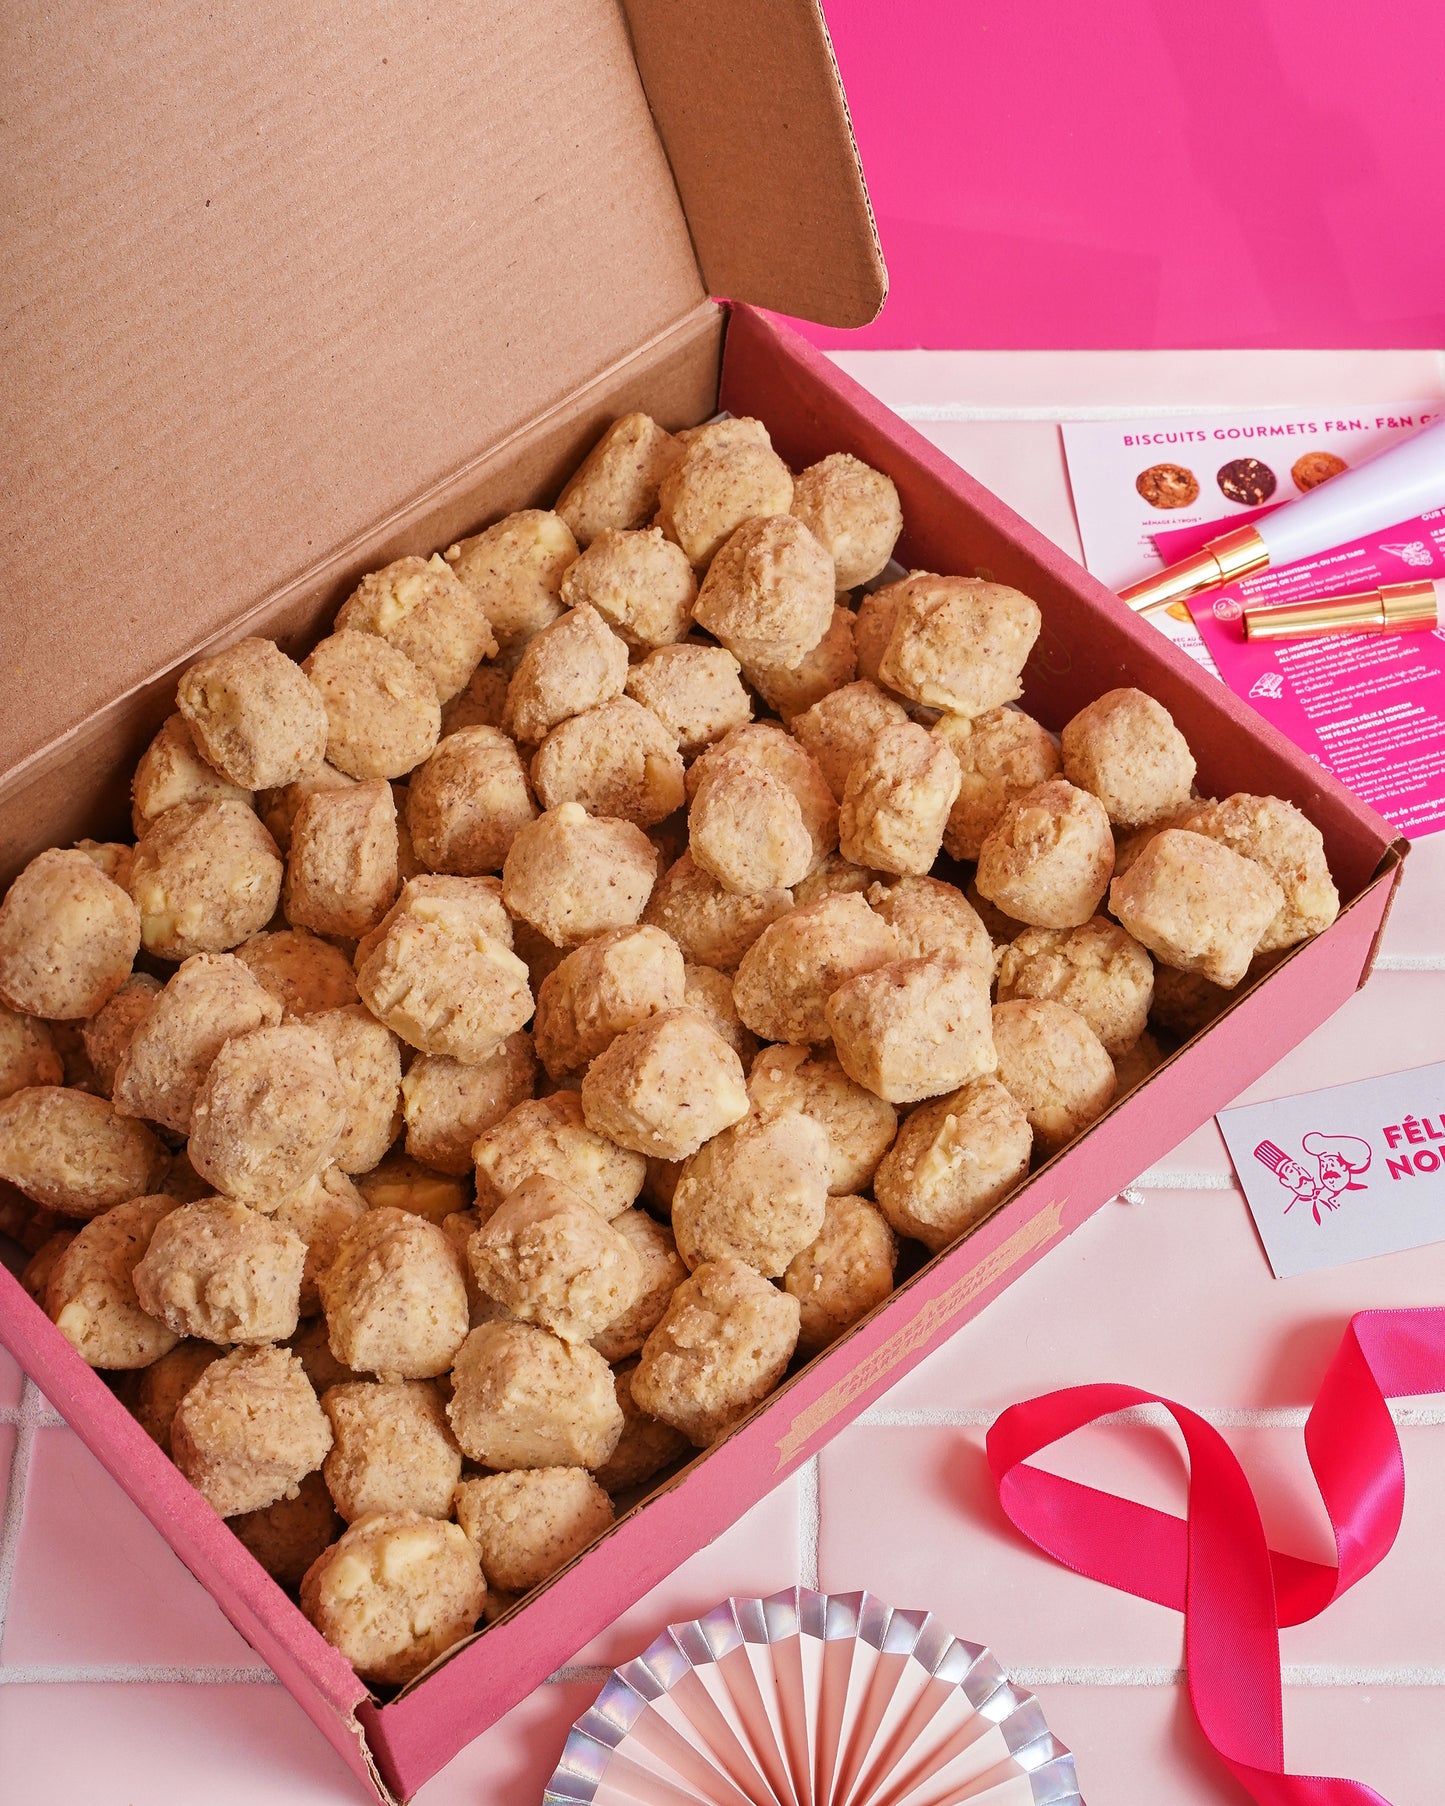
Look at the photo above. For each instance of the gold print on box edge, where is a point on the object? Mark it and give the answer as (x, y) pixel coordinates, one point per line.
(1039, 1228)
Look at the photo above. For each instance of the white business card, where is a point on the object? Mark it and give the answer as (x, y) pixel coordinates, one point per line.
(1346, 1173)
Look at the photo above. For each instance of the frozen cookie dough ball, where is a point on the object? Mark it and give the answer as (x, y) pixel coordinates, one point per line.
(480, 897)
(320, 1212)
(757, 1192)
(852, 510)
(304, 974)
(1283, 840)
(249, 1430)
(515, 571)
(467, 803)
(1197, 904)
(105, 1037)
(915, 1028)
(640, 583)
(547, 1256)
(769, 593)
(269, 1113)
(287, 1536)
(401, 1183)
(222, 1272)
(746, 829)
(448, 1105)
(615, 486)
(873, 628)
(859, 1126)
(1000, 754)
(71, 1153)
(172, 770)
(897, 800)
(523, 1397)
(712, 926)
(662, 1272)
(68, 935)
(958, 643)
(787, 976)
(574, 664)
(254, 716)
(841, 727)
(710, 994)
(572, 876)
(313, 1350)
(954, 1159)
(1132, 1068)
(771, 750)
(728, 474)
(205, 877)
(341, 875)
(392, 1449)
(382, 713)
(421, 606)
(841, 1276)
(91, 1297)
(1049, 857)
(646, 1445)
(210, 998)
(928, 915)
(665, 1087)
(694, 690)
(368, 1062)
(28, 1054)
(480, 704)
(723, 1346)
(790, 686)
(1125, 748)
(1185, 1002)
(394, 1297)
(607, 986)
(394, 1593)
(1098, 970)
(1055, 1067)
(526, 1525)
(278, 808)
(161, 1386)
(615, 760)
(35, 1274)
(549, 1136)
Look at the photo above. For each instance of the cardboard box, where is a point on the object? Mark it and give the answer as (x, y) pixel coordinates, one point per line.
(176, 514)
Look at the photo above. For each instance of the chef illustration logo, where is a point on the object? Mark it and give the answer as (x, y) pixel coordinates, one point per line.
(1338, 1161)
(1269, 688)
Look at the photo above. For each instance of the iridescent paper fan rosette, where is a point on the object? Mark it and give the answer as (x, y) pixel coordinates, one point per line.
(812, 1699)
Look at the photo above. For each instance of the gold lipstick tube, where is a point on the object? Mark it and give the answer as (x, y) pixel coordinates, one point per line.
(1393, 608)
(1226, 559)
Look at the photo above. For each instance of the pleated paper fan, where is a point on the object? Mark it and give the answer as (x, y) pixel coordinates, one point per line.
(812, 1699)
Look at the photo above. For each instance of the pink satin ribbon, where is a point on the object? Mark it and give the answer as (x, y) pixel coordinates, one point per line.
(1216, 1567)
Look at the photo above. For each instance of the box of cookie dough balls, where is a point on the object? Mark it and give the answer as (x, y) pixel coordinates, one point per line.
(569, 976)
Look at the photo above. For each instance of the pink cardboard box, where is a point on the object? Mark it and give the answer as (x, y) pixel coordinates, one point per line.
(67, 764)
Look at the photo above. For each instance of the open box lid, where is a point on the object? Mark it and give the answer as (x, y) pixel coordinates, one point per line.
(276, 270)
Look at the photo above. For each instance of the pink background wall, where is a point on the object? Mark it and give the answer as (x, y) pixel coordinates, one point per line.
(1152, 173)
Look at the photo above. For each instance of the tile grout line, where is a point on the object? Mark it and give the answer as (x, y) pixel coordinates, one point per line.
(30, 1416)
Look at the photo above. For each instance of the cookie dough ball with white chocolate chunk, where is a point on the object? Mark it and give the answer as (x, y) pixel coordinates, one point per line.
(896, 800)
(105, 1037)
(401, 1183)
(710, 994)
(769, 593)
(548, 1257)
(480, 704)
(954, 1159)
(1125, 748)
(616, 760)
(786, 977)
(549, 1136)
(223, 1273)
(1097, 970)
(368, 1063)
(249, 1431)
(269, 1113)
(421, 606)
(27, 1050)
(572, 875)
(161, 1387)
(172, 770)
(615, 485)
(71, 1153)
(859, 1126)
(522, 1397)
(304, 974)
(206, 877)
(713, 927)
(791, 686)
(928, 915)
(320, 1212)
(394, 1297)
(767, 747)
(1197, 904)
(278, 808)
(756, 1192)
(341, 875)
(91, 1298)
(853, 512)
(640, 583)
(728, 474)
(515, 571)
(572, 665)
(841, 727)
(68, 935)
(254, 715)
(746, 829)
(694, 690)
(662, 1272)
(646, 1445)
(1055, 1067)
(1049, 857)
(607, 986)
(394, 1593)
(392, 1449)
(873, 628)
(1291, 849)
(915, 1028)
(479, 896)
(289, 1534)
(723, 1346)
(841, 1276)
(526, 1525)
(466, 804)
(441, 980)
(1000, 755)
(958, 643)
(448, 1104)
(665, 1087)
(383, 717)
